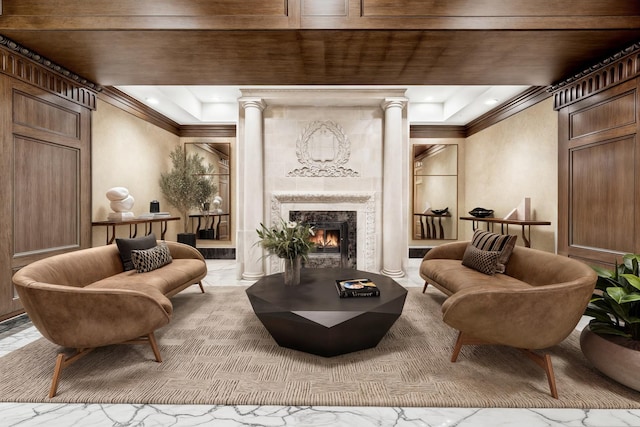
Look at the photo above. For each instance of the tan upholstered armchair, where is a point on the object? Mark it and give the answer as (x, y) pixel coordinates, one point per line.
(84, 299)
(536, 304)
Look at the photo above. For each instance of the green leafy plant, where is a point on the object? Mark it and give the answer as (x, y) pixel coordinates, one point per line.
(615, 305)
(186, 186)
(287, 240)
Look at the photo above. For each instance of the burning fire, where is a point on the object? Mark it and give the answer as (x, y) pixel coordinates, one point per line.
(326, 238)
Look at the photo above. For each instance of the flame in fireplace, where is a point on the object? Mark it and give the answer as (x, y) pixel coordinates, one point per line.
(326, 238)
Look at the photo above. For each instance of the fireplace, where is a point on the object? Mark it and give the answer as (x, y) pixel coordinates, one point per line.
(335, 237)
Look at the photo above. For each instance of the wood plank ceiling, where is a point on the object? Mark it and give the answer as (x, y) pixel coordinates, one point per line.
(323, 42)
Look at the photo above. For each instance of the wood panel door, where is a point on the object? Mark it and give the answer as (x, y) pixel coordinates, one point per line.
(46, 181)
(599, 176)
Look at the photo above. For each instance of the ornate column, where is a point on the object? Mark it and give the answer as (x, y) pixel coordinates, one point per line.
(392, 191)
(253, 187)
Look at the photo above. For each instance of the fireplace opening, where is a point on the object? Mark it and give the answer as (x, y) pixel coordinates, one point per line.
(327, 240)
(335, 237)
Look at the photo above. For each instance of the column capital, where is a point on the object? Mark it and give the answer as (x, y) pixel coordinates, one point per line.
(396, 102)
(248, 102)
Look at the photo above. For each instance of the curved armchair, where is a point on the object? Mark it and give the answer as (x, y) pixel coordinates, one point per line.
(58, 296)
(536, 304)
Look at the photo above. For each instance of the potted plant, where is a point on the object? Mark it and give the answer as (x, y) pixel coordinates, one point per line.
(612, 339)
(289, 241)
(186, 186)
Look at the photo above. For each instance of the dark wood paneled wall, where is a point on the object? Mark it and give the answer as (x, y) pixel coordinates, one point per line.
(45, 171)
(599, 175)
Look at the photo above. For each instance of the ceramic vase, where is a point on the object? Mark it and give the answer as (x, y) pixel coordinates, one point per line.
(292, 271)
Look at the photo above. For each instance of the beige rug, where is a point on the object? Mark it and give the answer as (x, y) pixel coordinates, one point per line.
(217, 352)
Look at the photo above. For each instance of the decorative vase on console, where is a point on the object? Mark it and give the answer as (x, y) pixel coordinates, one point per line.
(291, 242)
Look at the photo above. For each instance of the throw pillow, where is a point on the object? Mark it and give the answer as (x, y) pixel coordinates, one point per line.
(483, 261)
(502, 243)
(145, 260)
(125, 246)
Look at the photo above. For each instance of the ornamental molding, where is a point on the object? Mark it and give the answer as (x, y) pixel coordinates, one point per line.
(323, 148)
(364, 204)
(609, 72)
(21, 63)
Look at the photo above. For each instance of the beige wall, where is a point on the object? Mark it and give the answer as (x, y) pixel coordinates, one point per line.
(513, 159)
(128, 152)
(499, 166)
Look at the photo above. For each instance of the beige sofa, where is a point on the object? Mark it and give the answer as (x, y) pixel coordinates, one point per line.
(84, 299)
(535, 304)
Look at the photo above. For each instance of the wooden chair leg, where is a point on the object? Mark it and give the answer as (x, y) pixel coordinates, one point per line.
(464, 339)
(201, 287)
(457, 348)
(544, 361)
(61, 363)
(425, 287)
(154, 347)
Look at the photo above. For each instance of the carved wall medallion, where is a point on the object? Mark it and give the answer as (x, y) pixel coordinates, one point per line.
(323, 149)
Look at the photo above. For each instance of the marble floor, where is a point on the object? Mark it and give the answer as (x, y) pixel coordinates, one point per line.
(19, 332)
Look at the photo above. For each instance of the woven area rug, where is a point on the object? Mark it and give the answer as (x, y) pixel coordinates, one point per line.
(216, 351)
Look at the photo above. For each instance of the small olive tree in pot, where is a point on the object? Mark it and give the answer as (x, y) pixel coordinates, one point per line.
(186, 186)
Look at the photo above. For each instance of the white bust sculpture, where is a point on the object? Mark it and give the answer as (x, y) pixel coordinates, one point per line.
(121, 203)
(217, 202)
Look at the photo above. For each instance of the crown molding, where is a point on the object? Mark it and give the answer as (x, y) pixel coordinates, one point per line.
(437, 131)
(125, 102)
(505, 110)
(23, 64)
(611, 71)
(509, 108)
(199, 131)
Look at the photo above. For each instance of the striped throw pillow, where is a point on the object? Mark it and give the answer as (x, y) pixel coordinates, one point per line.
(503, 243)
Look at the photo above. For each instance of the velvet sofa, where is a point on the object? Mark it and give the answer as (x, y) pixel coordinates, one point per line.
(84, 299)
(535, 304)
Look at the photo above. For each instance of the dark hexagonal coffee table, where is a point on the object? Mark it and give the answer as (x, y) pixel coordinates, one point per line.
(311, 317)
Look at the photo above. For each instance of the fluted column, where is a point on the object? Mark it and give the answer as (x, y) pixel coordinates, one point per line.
(392, 191)
(253, 187)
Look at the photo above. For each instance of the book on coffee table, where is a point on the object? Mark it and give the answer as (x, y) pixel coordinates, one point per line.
(357, 288)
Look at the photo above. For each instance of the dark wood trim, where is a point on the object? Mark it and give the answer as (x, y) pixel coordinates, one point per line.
(224, 131)
(616, 69)
(127, 103)
(21, 63)
(437, 131)
(513, 106)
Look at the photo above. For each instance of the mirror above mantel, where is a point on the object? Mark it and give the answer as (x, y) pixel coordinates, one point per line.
(213, 221)
(435, 192)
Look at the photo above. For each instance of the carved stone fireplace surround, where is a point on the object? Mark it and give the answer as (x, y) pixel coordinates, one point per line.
(363, 203)
(382, 211)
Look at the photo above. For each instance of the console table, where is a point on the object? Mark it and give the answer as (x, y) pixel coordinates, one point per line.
(526, 236)
(133, 226)
(431, 228)
(213, 226)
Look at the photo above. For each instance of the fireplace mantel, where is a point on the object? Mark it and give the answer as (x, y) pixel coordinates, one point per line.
(361, 202)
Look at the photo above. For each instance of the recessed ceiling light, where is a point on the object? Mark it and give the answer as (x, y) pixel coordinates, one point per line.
(152, 101)
(492, 101)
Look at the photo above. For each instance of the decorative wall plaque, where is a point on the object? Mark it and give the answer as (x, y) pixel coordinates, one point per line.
(323, 149)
